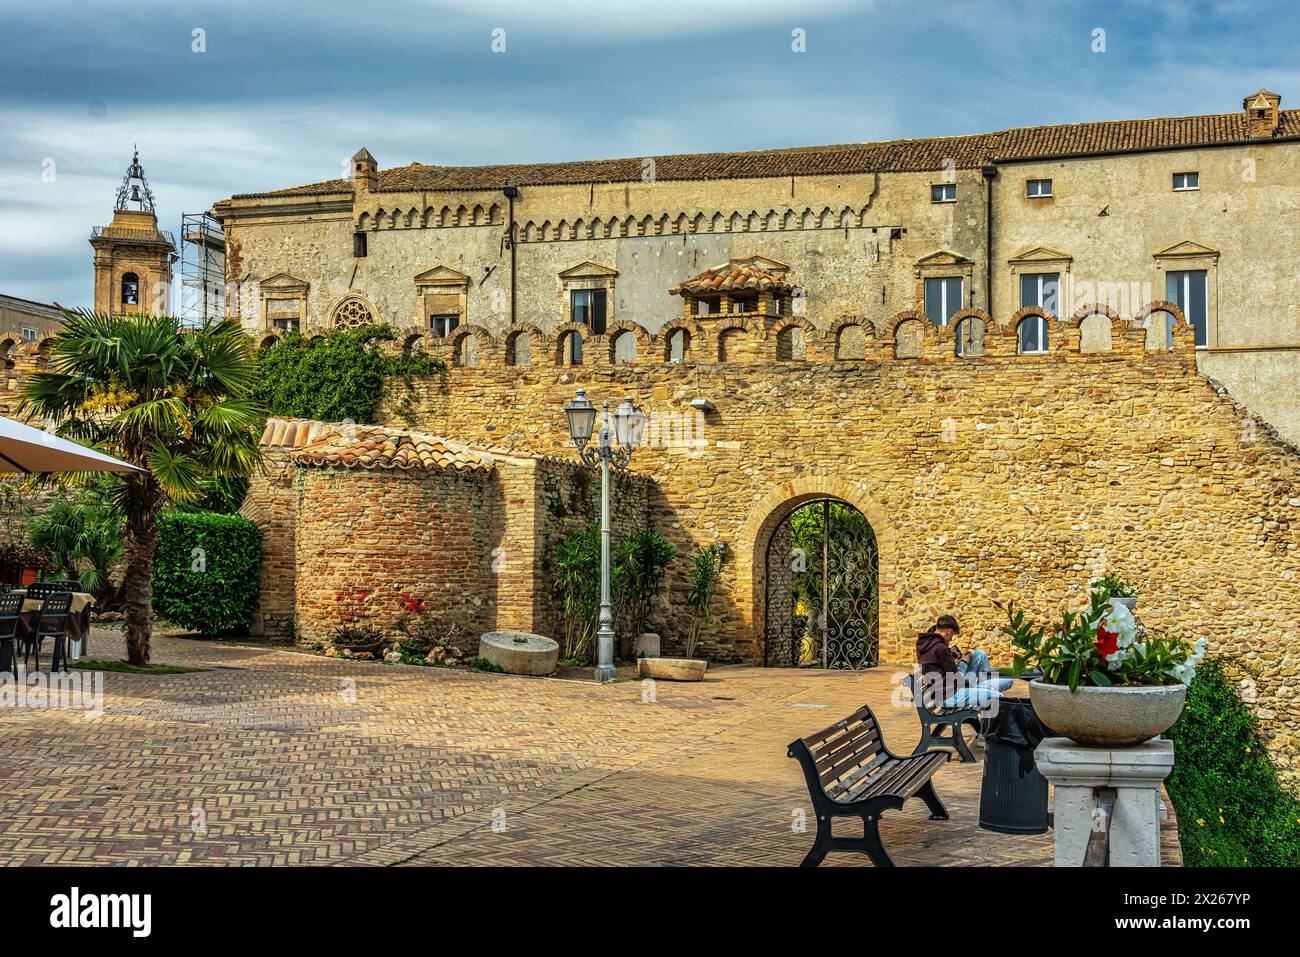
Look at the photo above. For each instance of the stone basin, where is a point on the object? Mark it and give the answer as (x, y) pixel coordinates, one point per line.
(519, 653)
(672, 669)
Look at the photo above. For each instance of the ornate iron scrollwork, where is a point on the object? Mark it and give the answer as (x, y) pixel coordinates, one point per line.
(823, 596)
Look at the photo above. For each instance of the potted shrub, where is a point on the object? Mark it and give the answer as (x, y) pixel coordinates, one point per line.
(1105, 681)
(20, 565)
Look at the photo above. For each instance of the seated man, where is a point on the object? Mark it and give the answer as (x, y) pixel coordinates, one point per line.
(966, 678)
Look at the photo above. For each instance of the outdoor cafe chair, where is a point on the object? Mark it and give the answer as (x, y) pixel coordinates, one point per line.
(46, 588)
(52, 623)
(63, 584)
(11, 609)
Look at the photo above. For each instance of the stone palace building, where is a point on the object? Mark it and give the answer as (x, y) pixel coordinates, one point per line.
(986, 367)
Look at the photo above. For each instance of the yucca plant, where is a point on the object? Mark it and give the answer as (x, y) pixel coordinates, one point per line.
(576, 577)
(703, 577)
(640, 560)
(172, 400)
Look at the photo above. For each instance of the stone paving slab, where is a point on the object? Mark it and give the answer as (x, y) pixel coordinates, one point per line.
(273, 757)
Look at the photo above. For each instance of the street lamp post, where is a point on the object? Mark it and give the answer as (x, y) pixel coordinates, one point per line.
(612, 447)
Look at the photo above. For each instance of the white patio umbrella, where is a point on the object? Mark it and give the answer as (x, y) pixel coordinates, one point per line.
(25, 449)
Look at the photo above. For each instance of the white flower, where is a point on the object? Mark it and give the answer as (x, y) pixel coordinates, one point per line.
(1118, 657)
(1120, 620)
(1184, 672)
(1198, 652)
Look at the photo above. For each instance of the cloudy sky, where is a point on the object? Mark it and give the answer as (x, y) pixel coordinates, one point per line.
(277, 95)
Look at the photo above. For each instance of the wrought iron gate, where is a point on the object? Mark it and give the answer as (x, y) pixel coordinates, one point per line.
(823, 593)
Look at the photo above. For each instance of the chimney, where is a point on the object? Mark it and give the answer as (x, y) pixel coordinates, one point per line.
(365, 172)
(1263, 118)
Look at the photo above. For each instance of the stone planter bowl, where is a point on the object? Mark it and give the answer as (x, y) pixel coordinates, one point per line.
(672, 669)
(519, 653)
(1108, 717)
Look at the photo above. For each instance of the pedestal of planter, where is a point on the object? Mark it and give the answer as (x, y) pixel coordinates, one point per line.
(1076, 772)
(519, 653)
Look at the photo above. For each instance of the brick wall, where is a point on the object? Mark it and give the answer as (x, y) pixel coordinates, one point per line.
(474, 545)
(393, 532)
(271, 503)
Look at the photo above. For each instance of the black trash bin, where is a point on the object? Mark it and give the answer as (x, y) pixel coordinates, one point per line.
(1013, 796)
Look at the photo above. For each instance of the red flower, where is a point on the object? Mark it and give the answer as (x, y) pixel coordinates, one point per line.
(1107, 642)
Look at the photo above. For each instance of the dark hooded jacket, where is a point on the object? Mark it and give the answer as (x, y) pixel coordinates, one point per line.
(934, 655)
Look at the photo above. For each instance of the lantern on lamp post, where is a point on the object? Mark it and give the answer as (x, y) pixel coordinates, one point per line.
(620, 433)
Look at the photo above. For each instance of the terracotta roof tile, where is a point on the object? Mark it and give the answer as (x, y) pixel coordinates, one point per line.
(369, 447)
(732, 276)
(911, 155)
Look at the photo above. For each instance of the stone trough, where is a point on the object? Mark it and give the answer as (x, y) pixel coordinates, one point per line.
(519, 653)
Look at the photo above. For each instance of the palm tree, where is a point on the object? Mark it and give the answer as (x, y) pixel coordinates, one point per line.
(171, 400)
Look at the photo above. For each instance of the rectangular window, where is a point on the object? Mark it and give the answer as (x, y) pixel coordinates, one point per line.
(943, 299)
(1035, 188)
(1186, 181)
(29, 334)
(588, 307)
(285, 325)
(443, 325)
(1189, 292)
(1042, 290)
(358, 244)
(943, 193)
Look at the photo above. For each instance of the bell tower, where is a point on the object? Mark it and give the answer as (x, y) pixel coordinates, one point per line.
(133, 258)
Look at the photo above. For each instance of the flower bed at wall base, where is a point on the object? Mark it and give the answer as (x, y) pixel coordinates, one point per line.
(205, 574)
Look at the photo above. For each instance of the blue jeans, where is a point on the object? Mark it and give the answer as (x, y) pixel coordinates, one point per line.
(981, 687)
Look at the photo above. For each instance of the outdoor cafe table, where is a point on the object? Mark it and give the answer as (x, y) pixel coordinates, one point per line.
(78, 627)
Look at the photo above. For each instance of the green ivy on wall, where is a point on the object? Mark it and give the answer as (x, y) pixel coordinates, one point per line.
(340, 375)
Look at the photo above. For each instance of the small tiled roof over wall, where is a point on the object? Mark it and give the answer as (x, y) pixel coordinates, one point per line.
(350, 446)
(732, 277)
(892, 156)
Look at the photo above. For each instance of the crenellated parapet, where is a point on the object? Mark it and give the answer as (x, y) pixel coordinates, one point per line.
(1156, 331)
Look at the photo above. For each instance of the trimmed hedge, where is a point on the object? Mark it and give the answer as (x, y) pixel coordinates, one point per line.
(1232, 810)
(205, 571)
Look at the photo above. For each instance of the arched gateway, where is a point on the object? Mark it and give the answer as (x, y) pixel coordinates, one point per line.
(822, 601)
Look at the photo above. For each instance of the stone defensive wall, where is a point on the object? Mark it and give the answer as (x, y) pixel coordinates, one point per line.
(989, 475)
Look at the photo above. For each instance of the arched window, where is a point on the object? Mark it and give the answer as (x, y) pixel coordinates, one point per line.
(351, 314)
(970, 337)
(851, 343)
(1159, 328)
(466, 351)
(624, 349)
(519, 350)
(130, 289)
(791, 344)
(1094, 333)
(732, 344)
(1032, 333)
(679, 344)
(570, 353)
(909, 339)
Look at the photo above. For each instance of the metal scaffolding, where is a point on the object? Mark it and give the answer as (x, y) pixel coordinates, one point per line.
(203, 269)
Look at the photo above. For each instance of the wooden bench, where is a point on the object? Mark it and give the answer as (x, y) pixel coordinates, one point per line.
(850, 773)
(935, 718)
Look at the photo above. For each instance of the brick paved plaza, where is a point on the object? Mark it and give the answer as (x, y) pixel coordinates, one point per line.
(272, 757)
